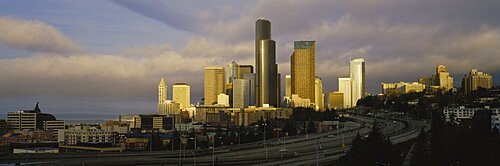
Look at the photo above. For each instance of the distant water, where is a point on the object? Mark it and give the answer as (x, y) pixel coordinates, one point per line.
(72, 122)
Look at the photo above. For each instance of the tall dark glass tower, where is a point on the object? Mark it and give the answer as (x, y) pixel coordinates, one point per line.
(266, 69)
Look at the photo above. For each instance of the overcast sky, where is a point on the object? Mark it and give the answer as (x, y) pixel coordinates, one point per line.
(106, 57)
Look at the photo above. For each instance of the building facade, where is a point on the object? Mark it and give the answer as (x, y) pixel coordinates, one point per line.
(319, 96)
(214, 84)
(181, 92)
(345, 88)
(241, 93)
(303, 69)
(266, 69)
(336, 100)
(475, 80)
(357, 75)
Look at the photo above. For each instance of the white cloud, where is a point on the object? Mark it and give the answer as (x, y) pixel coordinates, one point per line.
(34, 36)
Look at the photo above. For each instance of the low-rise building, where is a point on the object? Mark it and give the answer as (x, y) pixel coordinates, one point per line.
(153, 122)
(402, 88)
(461, 113)
(75, 137)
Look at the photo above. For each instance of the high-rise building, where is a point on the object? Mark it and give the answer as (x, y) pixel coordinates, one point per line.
(33, 120)
(214, 84)
(162, 95)
(241, 93)
(476, 79)
(288, 84)
(266, 69)
(251, 82)
(318, 93)
(444, 80)
(181, 92)
(244, 69)
(336, 100)
(303, 69)
(345, 88)
(357, 73)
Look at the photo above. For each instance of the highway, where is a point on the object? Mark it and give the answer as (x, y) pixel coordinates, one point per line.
(302, 150)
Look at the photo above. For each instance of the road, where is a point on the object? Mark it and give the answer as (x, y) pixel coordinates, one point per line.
(303, 150)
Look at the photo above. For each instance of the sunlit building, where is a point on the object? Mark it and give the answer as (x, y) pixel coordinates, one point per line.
(336, 100)
(288, 85)
(223, 100)
(475, 80)
(162, 95)
(319, 100)
(402, 88)
(181, 92)
(444, 80)
(303, 70)
(345, 88)
(357, 75)
(214, 84)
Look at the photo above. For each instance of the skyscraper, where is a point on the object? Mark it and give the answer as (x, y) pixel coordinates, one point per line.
(251, 82)
(241, 93)
(357, 75)
(288, 84)
(244, 69)
(318, 93)
(214, 83)
(476, 79)
(266, 75)
(181, 92)
(162, 95)
(345, 88)
(303, 69)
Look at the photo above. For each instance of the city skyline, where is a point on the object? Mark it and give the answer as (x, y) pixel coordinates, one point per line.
(101, 67)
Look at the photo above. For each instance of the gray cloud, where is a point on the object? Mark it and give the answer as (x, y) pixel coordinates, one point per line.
(34, 36)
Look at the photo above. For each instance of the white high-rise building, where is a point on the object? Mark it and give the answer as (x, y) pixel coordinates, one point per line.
(318, 95)
(241, 93)
(345, 89)
(162, 95)
(181, 92)
(357, 75)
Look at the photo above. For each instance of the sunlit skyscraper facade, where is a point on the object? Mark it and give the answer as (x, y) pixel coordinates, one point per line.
(181, 92)
(214, 84)
(345, 89)
(303, 69)
(357, 73)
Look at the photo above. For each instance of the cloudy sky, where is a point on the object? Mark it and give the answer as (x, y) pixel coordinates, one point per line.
(96, 58)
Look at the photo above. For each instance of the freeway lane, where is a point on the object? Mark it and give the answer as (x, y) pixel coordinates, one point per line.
(300, 150)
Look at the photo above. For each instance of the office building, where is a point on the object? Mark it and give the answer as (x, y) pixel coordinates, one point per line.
(296, 101)
(153, 122)
(357, 75)
(266, 69)
(241, 93)
(303, 70)
(288, 85)
(170, 108)
(319, 96)
(244, 69)
(475, 80)
(162, 95)
(251, 82)
(336, 100)
(33, 120)
(181, 92)
(345, 88)
(86, 136)
(214, 84)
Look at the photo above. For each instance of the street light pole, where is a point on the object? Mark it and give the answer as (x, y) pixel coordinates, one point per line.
(194, 157)
(213, 151)
(265, 145)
